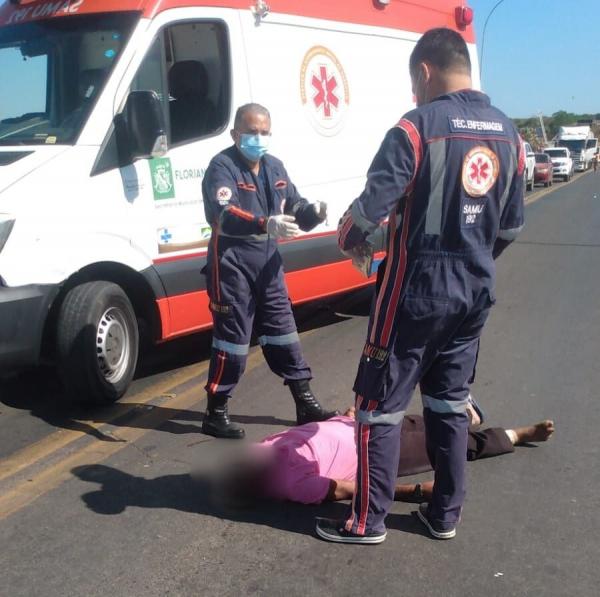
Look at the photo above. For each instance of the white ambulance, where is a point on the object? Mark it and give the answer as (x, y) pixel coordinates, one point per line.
(110, 111)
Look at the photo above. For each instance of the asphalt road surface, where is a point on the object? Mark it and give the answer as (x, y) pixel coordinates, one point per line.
(102, 502)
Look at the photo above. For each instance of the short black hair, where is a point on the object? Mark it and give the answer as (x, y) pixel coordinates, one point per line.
(444, 49)
(251, 107)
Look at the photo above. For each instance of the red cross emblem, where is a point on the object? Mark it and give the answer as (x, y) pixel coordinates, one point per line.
(223, 195)
(325, 88)
(479, 171)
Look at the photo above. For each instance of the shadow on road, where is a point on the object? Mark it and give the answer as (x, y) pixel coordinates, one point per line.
(119, 490)
(131, 415)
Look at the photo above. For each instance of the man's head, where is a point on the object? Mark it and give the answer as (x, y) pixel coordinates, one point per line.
(251, 131)
(439, 64)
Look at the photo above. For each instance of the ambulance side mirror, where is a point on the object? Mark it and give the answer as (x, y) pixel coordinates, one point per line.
(146, 130)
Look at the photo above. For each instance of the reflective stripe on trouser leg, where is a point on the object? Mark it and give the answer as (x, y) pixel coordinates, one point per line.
(447, 426)
(284, 356)
(378, 454)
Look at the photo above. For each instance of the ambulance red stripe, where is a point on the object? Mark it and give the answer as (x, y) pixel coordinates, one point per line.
(189, 312)
(406, 16)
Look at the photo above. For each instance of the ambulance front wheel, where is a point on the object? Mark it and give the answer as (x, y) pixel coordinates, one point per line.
(97, 342)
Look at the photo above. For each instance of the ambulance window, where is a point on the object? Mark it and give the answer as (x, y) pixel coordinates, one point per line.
(197, 58)
(151, 74)
(28, 83)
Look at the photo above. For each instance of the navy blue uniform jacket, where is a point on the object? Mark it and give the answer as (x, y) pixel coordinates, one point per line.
(449, 176)
(235, 204)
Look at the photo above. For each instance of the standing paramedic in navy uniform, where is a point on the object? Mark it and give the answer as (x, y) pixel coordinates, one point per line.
(449, 177)
(250, 202)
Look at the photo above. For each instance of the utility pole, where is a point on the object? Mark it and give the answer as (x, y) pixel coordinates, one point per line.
(541, 119)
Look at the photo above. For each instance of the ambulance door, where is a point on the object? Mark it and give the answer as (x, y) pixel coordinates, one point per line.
(189, 67)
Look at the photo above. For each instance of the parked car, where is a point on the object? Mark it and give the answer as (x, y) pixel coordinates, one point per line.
(529, 174)
(561, 162)
(543, 169)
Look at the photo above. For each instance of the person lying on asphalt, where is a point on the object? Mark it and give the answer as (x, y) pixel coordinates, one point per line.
(316, 462)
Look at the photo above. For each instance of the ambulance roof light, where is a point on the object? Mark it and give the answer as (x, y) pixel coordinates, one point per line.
(464, 16)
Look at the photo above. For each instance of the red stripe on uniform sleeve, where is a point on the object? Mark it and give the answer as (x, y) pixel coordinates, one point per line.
(240, 213)
(415, 140)
(344, 228)
(521, 158)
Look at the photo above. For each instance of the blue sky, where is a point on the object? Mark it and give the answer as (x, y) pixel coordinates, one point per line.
(540, 55)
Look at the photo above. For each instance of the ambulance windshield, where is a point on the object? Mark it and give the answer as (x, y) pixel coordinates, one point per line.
(53, 72)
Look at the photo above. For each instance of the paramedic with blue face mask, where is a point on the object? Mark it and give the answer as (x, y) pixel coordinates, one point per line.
(449, 180)
(251, 203)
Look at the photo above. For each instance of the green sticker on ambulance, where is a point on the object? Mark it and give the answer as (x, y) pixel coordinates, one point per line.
(161, 173)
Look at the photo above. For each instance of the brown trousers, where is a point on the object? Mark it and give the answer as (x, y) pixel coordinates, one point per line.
(413, 455)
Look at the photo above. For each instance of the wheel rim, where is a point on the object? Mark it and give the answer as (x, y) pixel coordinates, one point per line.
(113, 341)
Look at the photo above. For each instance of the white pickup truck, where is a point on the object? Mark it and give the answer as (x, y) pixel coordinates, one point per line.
(562, 163)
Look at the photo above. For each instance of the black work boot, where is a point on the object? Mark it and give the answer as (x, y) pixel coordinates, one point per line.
(216, 421)
(308, 409)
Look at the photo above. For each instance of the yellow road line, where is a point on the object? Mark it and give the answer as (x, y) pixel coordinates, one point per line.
(28, 491)
(59, 439)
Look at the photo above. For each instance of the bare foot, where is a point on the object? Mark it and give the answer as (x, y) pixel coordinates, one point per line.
(539, 432)
(474, 419)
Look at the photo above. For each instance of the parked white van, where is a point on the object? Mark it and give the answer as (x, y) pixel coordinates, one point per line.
(110, 112)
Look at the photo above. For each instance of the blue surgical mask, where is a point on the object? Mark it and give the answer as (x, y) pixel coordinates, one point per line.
(253, 147)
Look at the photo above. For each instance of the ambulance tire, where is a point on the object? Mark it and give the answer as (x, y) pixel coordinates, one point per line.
(97, 342)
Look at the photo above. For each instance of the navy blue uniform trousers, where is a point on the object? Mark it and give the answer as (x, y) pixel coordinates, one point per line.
(444, 304)
(246, 287)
